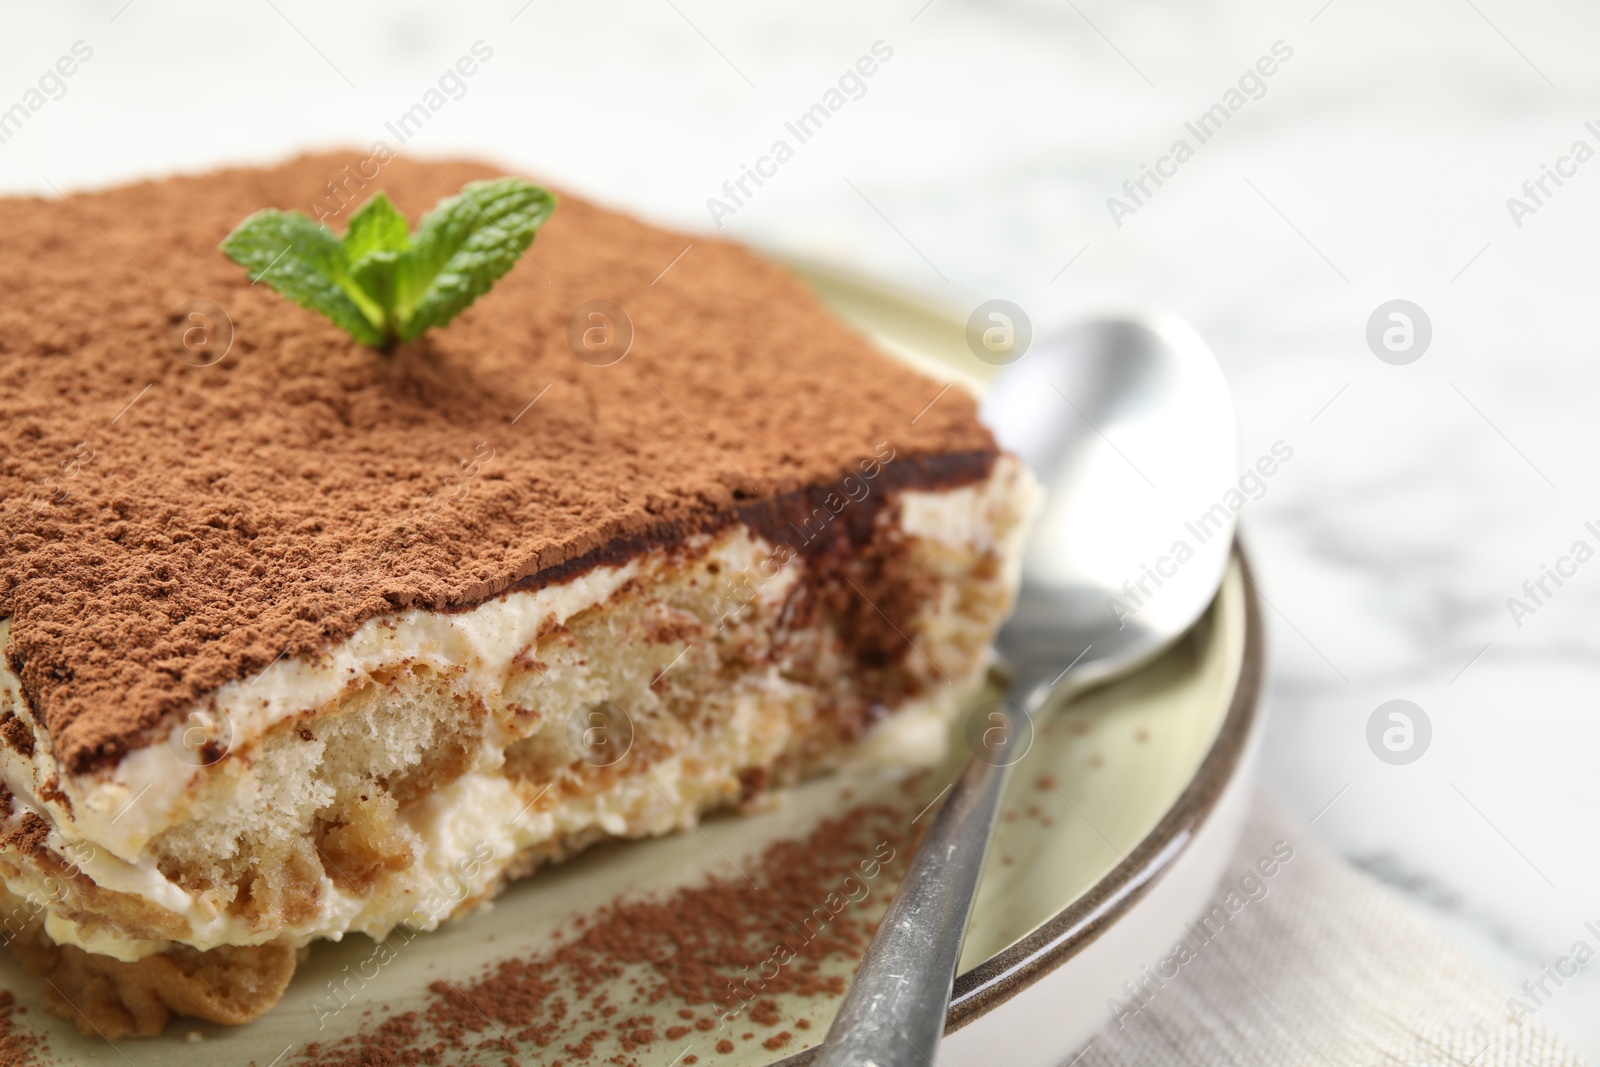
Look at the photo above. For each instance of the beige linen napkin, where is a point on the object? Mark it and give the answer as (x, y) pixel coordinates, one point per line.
(1314, 964)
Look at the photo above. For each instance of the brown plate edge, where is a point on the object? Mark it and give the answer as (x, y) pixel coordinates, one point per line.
(1060, 938)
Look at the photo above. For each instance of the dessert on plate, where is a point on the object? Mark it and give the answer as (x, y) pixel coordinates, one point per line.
(304, 635)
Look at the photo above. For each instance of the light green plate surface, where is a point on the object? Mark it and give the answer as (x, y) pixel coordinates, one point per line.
(1120, 759)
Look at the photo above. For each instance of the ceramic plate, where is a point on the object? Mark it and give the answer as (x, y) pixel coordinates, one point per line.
(1115, 830)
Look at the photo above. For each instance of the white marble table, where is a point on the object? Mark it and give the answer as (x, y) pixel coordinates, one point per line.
(1376, 164)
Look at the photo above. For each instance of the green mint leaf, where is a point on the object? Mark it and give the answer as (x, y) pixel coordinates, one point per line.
(381, 283)
(303, 260)
(373, 245)
(376, 226)
(376, 274)
(464, 246)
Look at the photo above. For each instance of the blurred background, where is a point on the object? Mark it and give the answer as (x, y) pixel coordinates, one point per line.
(1376, 162)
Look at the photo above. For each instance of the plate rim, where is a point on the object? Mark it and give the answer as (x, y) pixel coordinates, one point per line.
(1066, 934)
(1071, 930)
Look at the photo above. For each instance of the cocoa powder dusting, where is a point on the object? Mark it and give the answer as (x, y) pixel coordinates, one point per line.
(15, 733)
(716, 953)
(30, 836)
(19, 1046)
(166, 528)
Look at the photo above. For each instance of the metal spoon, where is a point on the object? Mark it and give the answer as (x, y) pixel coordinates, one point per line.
(1128, 425)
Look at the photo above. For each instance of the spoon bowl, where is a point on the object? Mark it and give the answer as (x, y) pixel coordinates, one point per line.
(1128, 425)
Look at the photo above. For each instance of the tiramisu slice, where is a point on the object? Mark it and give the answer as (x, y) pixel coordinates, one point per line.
(304, 637)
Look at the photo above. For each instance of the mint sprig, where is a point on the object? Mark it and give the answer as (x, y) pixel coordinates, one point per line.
(381, 282)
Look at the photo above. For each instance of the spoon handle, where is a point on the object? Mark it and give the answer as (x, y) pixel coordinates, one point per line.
(894, 1013)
